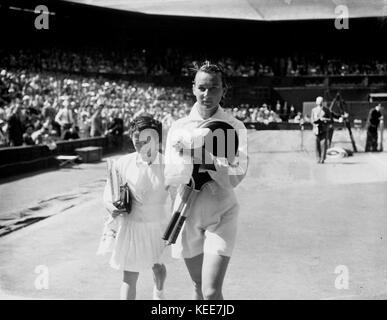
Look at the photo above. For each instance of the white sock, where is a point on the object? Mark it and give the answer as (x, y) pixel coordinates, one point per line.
(158, 294)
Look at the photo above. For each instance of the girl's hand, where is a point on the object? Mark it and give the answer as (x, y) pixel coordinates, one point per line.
(114, 212)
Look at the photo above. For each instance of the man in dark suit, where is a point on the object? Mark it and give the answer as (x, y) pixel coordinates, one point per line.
(15, 126)
(373, 121)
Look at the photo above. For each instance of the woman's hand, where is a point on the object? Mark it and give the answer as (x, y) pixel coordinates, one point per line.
(221, 175)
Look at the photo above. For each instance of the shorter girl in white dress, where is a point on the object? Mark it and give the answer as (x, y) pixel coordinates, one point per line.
(138, 243)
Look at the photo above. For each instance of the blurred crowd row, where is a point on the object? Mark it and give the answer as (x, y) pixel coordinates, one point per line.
(174, 62)
(266, 113)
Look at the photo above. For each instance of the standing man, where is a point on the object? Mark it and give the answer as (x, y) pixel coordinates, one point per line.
(65, 116)
(96, 129)
(373, 121)
(320, 120)
(208, 236)
(15, 126)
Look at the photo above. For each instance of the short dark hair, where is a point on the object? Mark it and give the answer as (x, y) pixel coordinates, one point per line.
(211, 68)
(143, 122)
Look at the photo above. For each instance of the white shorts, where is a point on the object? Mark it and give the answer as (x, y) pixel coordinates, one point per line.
(211, 225)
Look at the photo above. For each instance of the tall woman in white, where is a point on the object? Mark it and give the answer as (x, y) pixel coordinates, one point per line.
(138, 242)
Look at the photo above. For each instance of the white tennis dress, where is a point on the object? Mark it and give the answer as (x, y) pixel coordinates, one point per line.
(138, 244)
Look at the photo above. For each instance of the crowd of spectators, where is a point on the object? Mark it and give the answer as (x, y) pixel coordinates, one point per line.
(64, 94)
(41, 108)
(333, 66)
(267, 114)
(77, 61)
(174, 62)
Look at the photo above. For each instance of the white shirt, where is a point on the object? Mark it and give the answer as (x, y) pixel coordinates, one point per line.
(64, 117)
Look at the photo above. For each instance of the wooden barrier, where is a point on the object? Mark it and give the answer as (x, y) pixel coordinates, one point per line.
(68, 147)
(17, 160)
(23, 159)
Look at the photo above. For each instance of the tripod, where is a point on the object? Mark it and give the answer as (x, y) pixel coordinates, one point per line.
(342, 107)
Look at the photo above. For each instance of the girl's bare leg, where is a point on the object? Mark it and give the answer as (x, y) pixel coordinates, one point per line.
(128, 286)
(159, 275)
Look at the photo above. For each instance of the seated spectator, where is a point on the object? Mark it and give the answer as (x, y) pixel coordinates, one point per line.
(44, 133)
(3, 136)
(70, 133)
(297, 118)
(38, 135)
(27, 136)
(274, 117)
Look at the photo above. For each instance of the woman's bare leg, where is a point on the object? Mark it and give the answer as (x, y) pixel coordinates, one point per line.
(194, 266)
(214, 271)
